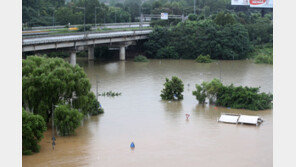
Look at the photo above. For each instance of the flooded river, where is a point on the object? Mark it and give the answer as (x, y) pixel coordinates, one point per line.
(162, 135)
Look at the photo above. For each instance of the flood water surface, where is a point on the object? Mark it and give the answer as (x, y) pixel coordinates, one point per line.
(162, 135)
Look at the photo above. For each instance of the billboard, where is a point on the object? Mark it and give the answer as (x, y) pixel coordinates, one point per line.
(240, 2)
(164, 16)
(261, 3)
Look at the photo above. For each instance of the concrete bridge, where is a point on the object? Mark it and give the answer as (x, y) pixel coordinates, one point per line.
(84, 41)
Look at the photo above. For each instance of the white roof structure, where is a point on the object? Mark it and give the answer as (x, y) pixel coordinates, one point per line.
(243, 119)
(247, 119)
(229, 118)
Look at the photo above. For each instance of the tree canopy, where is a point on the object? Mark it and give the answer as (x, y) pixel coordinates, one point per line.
(173, 89)
(33, 127)
(47, 82)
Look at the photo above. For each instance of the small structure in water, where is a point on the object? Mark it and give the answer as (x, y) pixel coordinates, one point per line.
(242, 119)
(132, 145)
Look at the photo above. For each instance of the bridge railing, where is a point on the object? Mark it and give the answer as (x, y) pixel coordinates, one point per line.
(77, 25)
(80, 33)
(83, 36)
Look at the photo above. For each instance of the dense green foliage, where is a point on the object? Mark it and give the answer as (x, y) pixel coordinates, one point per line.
(231, 96)
(88, 104)
(264, 56)
(33, 127)
(164, 23)
(41, 12)
(82, 28)
(203, 59)
(67, 119)
(172, 89)
(192, 17)
(140, 58)
(47, 82)
(192, 38)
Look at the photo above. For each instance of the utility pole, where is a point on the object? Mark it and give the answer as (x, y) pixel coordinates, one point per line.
(53, 15)
(96, 16)
(83, 8)
(141, 15)
(194, 7)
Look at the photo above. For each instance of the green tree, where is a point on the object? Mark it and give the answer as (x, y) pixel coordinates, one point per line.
(192, 17)
(33, 127)
(158, 39)
(67, 119)
(172, 89)
(200, 93)
(47, 82)
(224, 18)
(168, 52)
(88, 104)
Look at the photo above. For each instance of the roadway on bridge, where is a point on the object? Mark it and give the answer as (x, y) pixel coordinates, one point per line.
(63, 38)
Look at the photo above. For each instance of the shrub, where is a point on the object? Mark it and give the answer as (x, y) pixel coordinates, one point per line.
(203, 59)
(33, 127)
(172, 89)
(81, 28)
(243, 97)
(264, 54)
(67, 119)
(192, 17)
(234, 97)
(141, 58)
(264, 58)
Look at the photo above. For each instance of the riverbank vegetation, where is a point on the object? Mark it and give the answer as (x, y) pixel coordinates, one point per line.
(50, 83)
(140, 58)
(203, 59)
(172, 89)
(232, 96)
(33, 127)
(226, 35)
(264, 55)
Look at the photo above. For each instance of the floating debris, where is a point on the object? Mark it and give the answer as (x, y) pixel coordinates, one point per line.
(110, 93)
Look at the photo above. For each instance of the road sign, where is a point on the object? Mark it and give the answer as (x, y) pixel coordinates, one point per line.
(164, 16)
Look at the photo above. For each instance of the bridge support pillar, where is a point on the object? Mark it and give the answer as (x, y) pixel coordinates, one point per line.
(91, 53)
(73, 58)
(122, 53)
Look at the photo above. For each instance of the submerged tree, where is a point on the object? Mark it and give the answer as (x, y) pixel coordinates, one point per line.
(47, 82)
(231, 96)
(67, 119)
(172, 89)
(33, 127)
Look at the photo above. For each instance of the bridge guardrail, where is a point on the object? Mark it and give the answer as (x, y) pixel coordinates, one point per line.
(79, 33)
(76, 25)
(81, 36)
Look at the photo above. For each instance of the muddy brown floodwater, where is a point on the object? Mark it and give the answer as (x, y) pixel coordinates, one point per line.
(162, 135)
